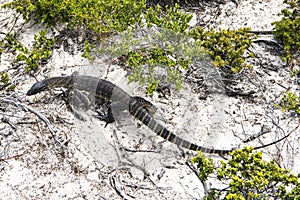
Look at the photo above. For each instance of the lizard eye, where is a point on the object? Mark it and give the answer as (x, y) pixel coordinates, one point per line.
(36, 88)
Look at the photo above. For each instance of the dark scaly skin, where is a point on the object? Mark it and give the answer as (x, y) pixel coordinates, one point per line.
(109, 93)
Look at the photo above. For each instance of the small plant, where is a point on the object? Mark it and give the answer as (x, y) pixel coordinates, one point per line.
(4, 77)
(87, 50)
(290, 102)
(5, 82)
(205, 166)
(287, 29)
(39, 53)
(11, 43)
(249, 177)
(226, 47)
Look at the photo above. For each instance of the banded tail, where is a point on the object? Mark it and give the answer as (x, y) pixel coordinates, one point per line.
(140, 113)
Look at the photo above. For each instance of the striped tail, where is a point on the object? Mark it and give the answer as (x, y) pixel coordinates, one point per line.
(140, 113)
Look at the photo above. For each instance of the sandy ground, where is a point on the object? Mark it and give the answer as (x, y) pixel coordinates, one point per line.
(126, 161)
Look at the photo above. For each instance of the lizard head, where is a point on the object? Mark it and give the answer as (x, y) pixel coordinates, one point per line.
(37, 87)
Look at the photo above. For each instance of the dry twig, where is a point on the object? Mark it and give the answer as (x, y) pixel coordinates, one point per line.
(42, 117)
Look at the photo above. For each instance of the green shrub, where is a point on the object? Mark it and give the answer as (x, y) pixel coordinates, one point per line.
(101, 16)
(38, 54)
(249, 177)
(4, 77)
(174, 52)
(104, 17)
(226, 47)
(11, 43)
(290, 102)
(205, 166)
(173, 18)
(287, 29)
(5, 82)
(87, 50)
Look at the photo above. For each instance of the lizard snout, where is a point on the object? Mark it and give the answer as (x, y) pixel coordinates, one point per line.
(36, 88)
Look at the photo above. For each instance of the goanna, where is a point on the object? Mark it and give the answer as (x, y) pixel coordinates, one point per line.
(108, 92)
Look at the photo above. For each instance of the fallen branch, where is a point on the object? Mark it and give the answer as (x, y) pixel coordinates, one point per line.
(42, 117)
(11, 157)
(279, 140)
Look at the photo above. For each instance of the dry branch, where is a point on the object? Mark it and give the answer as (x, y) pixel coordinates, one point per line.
(42, 117)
